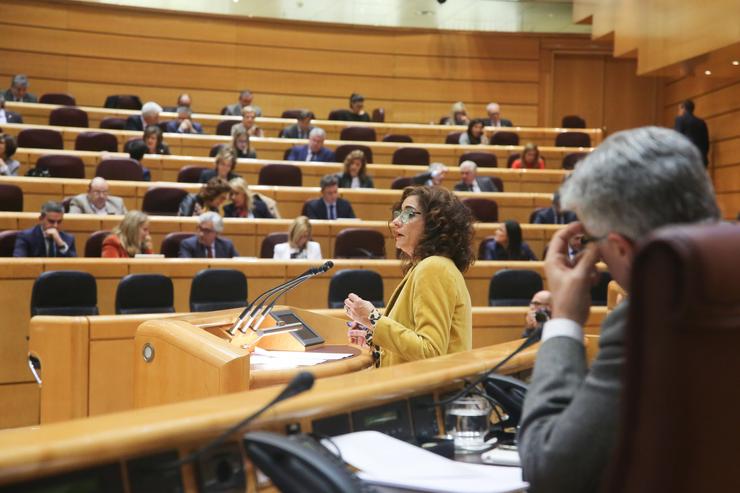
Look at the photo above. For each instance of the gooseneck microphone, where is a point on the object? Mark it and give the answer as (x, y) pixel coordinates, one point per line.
(302, 382)
(253, 308)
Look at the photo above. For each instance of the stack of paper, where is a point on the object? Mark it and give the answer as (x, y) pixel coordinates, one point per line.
(386, 461)
(264, 359)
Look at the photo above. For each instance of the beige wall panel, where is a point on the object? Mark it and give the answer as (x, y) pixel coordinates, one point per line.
(15, 306)
(578, 88)
(729, 204)
(727, 179)
(677, 90)
(111, 391)
(726, 152)
(19, 405)
(630, 101)
(466, 68)
(37, 14)
(724, 126)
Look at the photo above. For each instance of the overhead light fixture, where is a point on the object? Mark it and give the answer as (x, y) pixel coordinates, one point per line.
(707, 72)
(736, 62)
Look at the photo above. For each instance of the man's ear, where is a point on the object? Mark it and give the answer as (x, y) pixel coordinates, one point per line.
(624, 246)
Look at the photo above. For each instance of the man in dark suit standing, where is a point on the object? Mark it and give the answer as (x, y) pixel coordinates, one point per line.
(494, 117)
(46, 239)
(471, 182)
(329, 206)
(301, 129)
(554, 214)
(207, 243)
(149, 116)
(694, 128)
(315, 150)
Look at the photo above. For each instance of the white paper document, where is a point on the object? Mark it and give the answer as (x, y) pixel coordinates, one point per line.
(384, 460)
(275, 360)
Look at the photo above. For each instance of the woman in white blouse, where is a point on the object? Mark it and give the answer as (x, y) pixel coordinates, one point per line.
(299, 243)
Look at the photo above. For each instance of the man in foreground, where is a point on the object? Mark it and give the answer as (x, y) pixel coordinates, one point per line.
(569, 422)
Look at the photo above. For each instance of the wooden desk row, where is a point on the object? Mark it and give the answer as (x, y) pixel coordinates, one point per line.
(247, 234)
(38, 114)
(369, 204)
(166, 168)
(274, 148)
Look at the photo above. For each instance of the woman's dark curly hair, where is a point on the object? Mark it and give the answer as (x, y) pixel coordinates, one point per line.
(448, 227)
(215, 187)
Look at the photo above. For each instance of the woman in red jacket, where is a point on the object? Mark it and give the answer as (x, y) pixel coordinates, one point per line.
(530, 158)
(129, 238)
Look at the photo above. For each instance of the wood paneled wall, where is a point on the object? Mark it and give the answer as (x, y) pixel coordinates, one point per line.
(94, 51)
(718, 102)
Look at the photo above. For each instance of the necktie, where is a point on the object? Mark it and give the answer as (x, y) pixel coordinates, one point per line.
(51, 247)
(209, 252)
(332, 212)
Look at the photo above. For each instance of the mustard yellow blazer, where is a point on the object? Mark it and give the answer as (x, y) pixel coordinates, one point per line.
(429, 314)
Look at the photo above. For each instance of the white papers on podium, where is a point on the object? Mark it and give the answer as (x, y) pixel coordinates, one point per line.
(264, 359)
(384, 460)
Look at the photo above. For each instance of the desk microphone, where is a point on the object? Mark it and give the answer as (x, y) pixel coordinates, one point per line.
(302, 382)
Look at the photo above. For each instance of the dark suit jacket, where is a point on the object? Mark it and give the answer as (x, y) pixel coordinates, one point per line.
(316, 209)
(345, 181)
(291, 132)
(31, 243)
(173, 125)
(299, 153)
(547, 216)
(504, 122)
(695, 129)
(13, 117)
(134, 122)
(190, 248)
(484, 182)
(27, 98)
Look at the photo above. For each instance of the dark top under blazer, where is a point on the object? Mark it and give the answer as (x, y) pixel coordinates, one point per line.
(190, 248)
(504, 122)
(134, 122)
(495, 251)
(316, 209)
(31, 243)
(292, 132)
(299, 153)
(345, 181)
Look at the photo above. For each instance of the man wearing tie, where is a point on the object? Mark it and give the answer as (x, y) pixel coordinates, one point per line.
(470, 182)
(494, 117)
(329, 206)
(207, 243)
(315, 150)
(301, 129)
(554, 214)
(45, 239)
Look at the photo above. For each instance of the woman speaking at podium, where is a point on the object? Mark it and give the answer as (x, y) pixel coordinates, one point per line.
(429, 313)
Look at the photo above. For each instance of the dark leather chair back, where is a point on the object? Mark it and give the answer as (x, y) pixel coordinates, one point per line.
(513, 287)
(113, 123)
(120, 169)
(411, 155)
(573, 121)
(96, 141)
(145, 293)
(94, 244)
(62, 165)
(58, 98)
(68, 117)
(482, 159)
(171, 244)
(401, 182)
(123, 102)
(7, 242)
(40, 138)
(359, 243)
(484, 210)
(287, 175)
(163, 201)
(378, 115)
(218, 289)
(224, 127)
(573, 139)
(504, 138)
(267, 249)
(366, 284)
(64, 292)
(397, 138)
(358, 134)
(453, 137)
(570, 160)
(11, 198)
(343, 150)
(190, 174)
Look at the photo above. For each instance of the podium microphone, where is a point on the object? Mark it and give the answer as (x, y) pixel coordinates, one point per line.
(302, 382)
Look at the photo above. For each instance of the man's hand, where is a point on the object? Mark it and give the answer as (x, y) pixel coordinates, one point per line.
(53, 233)
(570, 281)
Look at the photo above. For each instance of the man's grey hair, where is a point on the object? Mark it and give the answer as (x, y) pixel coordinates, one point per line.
(469, 164)
(328, 181)
(639, 180)
(212, 217)
(316, 131)
(19, 80)
(437, 167)
(52, 206)
(151, 108)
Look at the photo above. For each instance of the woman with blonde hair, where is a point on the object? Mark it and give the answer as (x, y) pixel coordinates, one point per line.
(129, 238)
(355, 174)
(458, 114)
(299, 244)
(224, 166)
(245, 203)
(241, 145)
(530, 158)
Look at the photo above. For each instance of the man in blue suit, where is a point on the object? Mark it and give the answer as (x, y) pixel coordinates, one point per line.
(554, 214)
(45, 239)
(315, 150)
(207, 243)
(184, 123)
(329, 206)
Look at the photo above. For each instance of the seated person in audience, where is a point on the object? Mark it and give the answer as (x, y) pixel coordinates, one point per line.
(149, 116)
(224, 166)
(240, 144)
(314, 150)
(252, 205)
(129, 238)
(8, 165)
(46, 239)
(136, 151)
(429, 313)
(248, 123)
(8, 116)
(541, 302)
(184, 123)
(183, 99)
(211, 197)
(474, 135)
(355, 174)
(530, 158)
(245, 99)
(357, 112)
(570, 422)
(96, 200)
(507, 244)
(554, 214)
(433, 177)
(494, 117)
(208, 243)
(18, 90)
(153, 139)
(299, 244)
(329, 206)
(458, 115)
(301, 128)
(471, 182)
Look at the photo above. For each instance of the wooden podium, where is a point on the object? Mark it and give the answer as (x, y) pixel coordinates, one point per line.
(196, 355)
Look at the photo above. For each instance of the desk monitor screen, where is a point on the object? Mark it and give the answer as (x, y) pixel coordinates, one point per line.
(305, 335)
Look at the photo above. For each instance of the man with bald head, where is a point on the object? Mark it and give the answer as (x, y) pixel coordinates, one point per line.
(494, 117)
(97, 200)
(541, 303)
